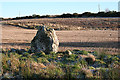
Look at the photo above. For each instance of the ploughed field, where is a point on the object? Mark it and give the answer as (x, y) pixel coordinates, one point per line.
(68, 23)
(89, 34)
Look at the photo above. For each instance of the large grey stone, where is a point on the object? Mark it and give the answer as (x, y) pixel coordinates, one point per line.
(45, 40)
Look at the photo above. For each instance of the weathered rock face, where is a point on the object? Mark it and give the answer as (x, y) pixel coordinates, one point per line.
(45, 40)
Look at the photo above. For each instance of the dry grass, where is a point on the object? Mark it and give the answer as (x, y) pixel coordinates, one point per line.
(69, 23)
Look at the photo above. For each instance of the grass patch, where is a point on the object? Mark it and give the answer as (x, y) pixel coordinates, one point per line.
(62, 65)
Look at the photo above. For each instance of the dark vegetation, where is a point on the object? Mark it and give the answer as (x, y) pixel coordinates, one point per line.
(68, 15)
(76, 64)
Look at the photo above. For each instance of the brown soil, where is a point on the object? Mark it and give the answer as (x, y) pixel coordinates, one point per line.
(14, 37)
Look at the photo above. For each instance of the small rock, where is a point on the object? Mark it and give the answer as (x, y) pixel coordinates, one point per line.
(21, 51)
(8, 75)
(42, 65)
(87, 73)
(38, 65)
(9, 62)
(89, 58)
(68, 52)
(13, 50)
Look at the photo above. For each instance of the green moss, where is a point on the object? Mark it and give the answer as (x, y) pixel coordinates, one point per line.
(115, 58)
(52, 53)
(91, 67)
(84, 52)
(42, 60)
(40, 54)
(23, 58)
(26, 54)
(100, 61)
(83, 62)
(95, 53)
(108, 56)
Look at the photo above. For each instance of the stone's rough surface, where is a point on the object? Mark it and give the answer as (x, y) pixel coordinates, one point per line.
(45, 40)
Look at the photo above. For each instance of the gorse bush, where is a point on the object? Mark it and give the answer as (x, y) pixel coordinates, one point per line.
(61, 65)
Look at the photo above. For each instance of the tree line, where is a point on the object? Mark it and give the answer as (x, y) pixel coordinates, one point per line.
(68, 15)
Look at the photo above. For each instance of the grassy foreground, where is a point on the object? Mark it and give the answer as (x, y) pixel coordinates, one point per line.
(76, 64)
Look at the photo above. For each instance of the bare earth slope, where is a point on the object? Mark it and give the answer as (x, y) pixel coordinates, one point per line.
(14, 37)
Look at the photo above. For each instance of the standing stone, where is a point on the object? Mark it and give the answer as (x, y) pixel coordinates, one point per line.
(45, 40)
